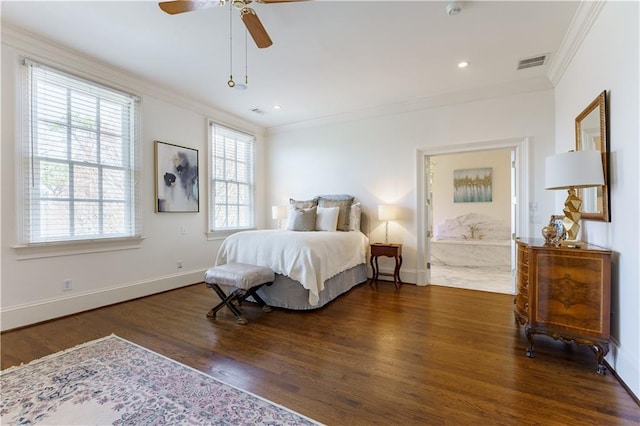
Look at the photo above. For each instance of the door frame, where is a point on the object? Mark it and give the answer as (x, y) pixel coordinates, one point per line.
(521, 201)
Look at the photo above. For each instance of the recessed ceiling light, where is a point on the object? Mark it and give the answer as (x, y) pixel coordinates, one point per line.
(277, 107)
(463, 64)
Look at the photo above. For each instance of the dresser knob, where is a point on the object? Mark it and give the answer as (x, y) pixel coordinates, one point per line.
(526, 305)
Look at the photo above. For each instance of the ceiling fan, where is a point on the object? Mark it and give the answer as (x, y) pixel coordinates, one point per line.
(247, 14)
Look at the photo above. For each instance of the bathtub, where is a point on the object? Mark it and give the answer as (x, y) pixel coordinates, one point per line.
(473, 253)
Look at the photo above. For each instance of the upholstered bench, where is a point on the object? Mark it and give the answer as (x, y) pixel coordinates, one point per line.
(245, 279)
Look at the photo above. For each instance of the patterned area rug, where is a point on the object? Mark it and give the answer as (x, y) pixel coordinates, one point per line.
(114, 381)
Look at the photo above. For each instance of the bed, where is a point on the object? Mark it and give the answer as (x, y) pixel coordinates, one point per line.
(312, 268)
(320, 255)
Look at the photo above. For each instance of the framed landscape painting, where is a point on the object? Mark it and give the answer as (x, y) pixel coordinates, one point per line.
(176, 178)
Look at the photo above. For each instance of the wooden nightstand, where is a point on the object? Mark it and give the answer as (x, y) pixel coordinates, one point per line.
(388, 250)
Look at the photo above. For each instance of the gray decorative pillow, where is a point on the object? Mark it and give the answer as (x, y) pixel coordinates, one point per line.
(302, 219)
(342, 201)
(355, 216)
(303, 204)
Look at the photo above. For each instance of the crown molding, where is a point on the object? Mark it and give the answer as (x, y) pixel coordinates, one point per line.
(515, 87)
(587, 13)
(41, 49)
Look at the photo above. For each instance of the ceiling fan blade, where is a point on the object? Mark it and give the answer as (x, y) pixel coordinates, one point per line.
(255, 28)
(181, 6)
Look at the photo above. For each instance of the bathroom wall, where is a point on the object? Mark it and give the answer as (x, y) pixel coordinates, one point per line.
(497, 212)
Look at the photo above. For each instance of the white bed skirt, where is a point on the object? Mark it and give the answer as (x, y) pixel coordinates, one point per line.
(289, 294)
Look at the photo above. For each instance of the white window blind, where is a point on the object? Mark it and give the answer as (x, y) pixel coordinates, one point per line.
(232, 179)
(79, 159)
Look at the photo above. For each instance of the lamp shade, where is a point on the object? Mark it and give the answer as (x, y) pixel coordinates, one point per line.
(577, 169)
(278, 212)
(386, 212)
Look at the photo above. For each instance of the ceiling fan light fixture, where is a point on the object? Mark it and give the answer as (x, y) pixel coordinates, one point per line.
(240, 4)
(454, 8)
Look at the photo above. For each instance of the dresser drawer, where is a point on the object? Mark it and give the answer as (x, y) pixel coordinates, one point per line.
(388, 250)
(521, 300)
(523, 281)
(570, 295)
(522, 303)
(523, 256)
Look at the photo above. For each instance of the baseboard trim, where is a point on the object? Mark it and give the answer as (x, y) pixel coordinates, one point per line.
(22, 315)
(624, 367)
(622, 382)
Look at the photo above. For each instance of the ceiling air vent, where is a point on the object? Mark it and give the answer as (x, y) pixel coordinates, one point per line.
(535, 61)
(258, 111)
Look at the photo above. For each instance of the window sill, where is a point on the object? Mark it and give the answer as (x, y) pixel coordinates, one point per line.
(71, 248)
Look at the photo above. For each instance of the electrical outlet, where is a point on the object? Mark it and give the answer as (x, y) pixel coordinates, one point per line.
(67, 285)
(179, 264)
(183, 230)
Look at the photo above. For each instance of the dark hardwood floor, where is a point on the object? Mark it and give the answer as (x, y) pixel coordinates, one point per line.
(420, 355)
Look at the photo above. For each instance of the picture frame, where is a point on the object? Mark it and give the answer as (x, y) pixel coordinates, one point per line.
(177, 179)
(473, 185)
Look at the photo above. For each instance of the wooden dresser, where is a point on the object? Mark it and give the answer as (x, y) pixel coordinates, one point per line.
(564, 293)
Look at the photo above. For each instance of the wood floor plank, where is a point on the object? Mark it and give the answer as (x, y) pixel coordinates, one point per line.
(377, 355)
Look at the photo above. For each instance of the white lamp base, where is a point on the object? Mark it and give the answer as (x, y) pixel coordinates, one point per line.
(386, 233)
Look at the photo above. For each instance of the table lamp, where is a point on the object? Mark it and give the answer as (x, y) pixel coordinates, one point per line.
(572, 170)
(386, 212)
(278, 213)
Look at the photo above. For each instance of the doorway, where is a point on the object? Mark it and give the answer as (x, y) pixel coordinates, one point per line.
(510, 222)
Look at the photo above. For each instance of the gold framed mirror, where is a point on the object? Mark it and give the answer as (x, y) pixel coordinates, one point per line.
(591, 133)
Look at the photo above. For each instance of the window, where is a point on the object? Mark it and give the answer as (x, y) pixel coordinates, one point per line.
(232, 179)
(78, 162)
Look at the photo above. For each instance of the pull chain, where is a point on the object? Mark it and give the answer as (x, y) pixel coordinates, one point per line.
(246, 66)
(231, 83)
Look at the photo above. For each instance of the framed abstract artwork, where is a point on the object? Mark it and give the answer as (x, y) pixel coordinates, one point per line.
(472, 185)
(176, 176)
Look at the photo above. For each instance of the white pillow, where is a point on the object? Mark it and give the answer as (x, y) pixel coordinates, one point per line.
(354, 217)
(327, 218)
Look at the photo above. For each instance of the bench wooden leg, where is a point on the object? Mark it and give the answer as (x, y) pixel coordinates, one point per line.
(258, 299)
(238, 295)
(227, 300)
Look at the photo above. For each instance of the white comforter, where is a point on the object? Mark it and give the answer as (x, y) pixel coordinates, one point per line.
(308, 257)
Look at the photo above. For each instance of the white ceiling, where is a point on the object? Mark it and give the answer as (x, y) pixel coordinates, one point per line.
(329, 58)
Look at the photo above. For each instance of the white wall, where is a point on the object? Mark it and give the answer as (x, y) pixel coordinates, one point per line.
(32, 280)
(375, 159)
(608, 60)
